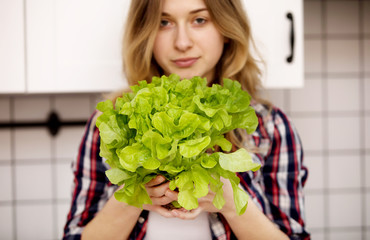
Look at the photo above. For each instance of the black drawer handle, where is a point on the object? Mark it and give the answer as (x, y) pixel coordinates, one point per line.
(290, 58)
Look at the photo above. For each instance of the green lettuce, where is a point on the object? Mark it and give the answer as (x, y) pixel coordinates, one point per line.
(166, 127)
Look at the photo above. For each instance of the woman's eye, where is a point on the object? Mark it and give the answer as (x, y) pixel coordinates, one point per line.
(164, 23)
(200, 20)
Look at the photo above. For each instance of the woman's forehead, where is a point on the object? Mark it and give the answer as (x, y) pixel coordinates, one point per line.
(182, 6)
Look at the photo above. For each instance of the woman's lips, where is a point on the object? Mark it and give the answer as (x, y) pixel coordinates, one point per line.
(185, 62)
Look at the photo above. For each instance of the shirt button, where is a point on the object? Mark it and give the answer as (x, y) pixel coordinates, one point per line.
(141, 220)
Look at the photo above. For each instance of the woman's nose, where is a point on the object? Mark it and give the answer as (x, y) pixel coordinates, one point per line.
(183, 39)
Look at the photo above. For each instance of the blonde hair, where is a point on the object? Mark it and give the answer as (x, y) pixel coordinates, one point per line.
(236, 62)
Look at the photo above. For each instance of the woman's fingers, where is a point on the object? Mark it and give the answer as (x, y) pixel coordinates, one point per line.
(159, 209)
(157, 186)
(165, 199)
(162, 190)
(158, 190)
(171, 194)
(185, 214)
(160, 194)
(156, 181)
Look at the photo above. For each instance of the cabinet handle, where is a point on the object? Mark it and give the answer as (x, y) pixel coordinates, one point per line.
(289, 59)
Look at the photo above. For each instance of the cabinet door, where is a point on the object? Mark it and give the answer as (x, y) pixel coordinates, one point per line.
(273, 32)
(74, 46)
(12, 66)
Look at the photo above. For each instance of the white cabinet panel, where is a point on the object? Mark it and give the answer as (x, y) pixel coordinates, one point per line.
(12, 66)
(40, 44)
(272, 31)
(75, 46)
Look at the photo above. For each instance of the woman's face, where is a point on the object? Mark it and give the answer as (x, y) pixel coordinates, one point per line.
(187, 42)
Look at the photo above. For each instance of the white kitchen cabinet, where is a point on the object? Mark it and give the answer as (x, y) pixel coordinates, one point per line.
(63, 46)
(12, 57)
(74, 46)
(277, 38)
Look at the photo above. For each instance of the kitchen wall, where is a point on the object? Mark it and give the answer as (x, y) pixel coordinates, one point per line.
(35, 170)
(332, 114)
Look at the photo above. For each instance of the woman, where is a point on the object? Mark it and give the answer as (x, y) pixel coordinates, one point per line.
(210, 39)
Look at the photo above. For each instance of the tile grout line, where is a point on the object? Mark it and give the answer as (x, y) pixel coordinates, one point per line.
(341, 75)
(361, 27)
(13, 169)
(287, 105)
(318, 114)
(325, 116)
(54, 185)
(336, 36)
(38, 201)
(348, 190)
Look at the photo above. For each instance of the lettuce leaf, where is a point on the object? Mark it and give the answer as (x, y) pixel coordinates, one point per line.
(166, 127)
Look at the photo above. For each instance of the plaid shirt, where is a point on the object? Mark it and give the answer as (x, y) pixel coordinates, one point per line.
(277, 188)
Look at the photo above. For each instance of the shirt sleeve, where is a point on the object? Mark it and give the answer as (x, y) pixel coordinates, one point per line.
(91, 189)
(277, 188)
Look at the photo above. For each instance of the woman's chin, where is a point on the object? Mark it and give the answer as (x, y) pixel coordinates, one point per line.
(188, 75)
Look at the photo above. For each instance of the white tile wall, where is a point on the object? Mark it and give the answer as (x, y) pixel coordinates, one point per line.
(367, 174)
(342, 17)
(6, 189)
(316, 175)
(32, 144)
(278, 96)
(35, 171)
(343, 55)
(337, 154)
(312, 93)
(80, 110)
(313, 62)
(64, 179)
(367, 213)
(331, 113)
(31, 108)
(367, 55)
(343, 94)
(67, 141)
(311, 131)
(366, 92)
(5, 145)
(350, 234)
(62, 212)
(312, 17)
(315, 211)
(317, 235)
(33, 182)
(344, 133)
(35, 221)
(344, 172)
(344, 210)
(366, 13)
(5, 109)
(367, 132)
(6, 222)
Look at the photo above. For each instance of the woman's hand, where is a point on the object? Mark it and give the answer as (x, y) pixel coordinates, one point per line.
(206, 204)
(160, 194)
